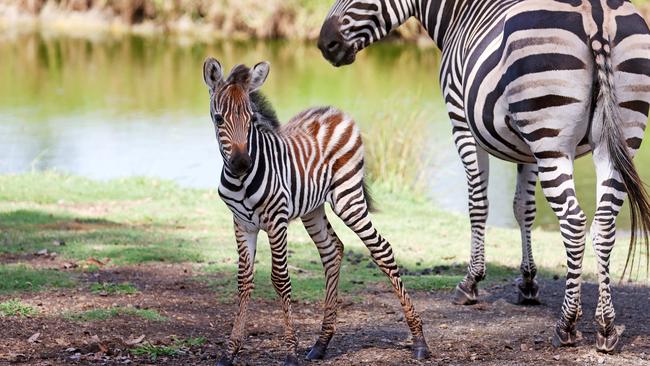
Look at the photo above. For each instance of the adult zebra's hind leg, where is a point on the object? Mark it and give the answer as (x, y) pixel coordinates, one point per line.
(610, 193)
(477, 165)
(524, 210)
(330, 249)
(556, 179)
(352, 208)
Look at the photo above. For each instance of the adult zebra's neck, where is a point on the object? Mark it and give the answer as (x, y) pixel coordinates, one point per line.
(440, 18)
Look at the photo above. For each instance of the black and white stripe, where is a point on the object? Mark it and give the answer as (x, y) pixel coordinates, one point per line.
(539, 83)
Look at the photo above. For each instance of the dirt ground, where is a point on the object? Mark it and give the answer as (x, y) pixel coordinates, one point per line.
(371, 329)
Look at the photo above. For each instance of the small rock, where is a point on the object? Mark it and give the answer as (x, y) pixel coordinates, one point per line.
(41, 252)
(523, 347)
(58, 243)
(34, 337)
(601, 360)
(556, 357)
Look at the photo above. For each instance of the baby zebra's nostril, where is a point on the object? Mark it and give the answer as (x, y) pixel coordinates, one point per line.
(333, 46)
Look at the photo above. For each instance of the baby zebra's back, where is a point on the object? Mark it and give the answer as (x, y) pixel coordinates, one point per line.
(274, 173)
(326, 153)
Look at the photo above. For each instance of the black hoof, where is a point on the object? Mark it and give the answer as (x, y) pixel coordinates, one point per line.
(291, 360)
(606, 343)
(464, 295)
(564, 338)
(317, 352)
(528, 292)
(225, 360)
(420, 349)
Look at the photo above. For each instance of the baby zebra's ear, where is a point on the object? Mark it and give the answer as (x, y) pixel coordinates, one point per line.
(259, 73)
(212, 74)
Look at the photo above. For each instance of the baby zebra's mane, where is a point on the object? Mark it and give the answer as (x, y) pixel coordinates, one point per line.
(267, 116)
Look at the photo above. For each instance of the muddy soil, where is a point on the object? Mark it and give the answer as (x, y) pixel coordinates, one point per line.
(371, 328)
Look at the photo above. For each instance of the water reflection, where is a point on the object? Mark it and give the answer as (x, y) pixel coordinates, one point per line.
(125, 106)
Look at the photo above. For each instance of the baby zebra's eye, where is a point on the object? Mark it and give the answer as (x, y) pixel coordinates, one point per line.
(254, 118)
(218, 119)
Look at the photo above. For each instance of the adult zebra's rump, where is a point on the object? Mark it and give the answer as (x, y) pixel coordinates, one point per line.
(539, 83)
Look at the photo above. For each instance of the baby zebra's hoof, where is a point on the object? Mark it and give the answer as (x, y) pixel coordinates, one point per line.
(291, 360)
(606, 342)
(563, 338)
(420, 349)
(317, 352)
(225, 360)
(528, 292)
(464, 295)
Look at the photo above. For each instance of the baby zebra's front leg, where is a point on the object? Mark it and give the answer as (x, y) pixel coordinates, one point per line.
(282, 283)
(246, 246)
(330, 249)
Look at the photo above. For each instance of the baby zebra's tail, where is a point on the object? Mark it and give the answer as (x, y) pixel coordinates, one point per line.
(370, 202)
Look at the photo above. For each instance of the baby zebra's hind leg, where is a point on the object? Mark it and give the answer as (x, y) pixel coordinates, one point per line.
(352, 208)
(330, 249)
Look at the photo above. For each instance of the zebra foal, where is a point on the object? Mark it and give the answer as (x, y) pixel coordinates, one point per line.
(273, 174)
(538, 83)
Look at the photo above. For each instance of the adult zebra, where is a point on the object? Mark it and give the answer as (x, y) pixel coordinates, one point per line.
(539, 83)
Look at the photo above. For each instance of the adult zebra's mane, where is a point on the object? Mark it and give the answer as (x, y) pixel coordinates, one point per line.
(267, 116)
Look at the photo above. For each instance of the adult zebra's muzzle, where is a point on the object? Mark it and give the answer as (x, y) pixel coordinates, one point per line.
(334, 47)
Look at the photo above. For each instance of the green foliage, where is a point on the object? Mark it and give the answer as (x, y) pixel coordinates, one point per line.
(108, 313)
(15, 307)
(16, 278)
(113, 288)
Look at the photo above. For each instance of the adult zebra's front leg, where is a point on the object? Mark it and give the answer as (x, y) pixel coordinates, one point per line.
(524, 210)
(476, 163)
(246, 246)
(282, 283)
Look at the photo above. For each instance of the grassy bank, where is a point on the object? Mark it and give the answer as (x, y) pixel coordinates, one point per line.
(145, 221)
(203, 19)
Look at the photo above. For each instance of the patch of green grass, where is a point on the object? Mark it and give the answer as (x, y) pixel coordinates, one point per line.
(104, 314)
(173, 224)
(113, 288)
(15, 307)
(156, 351)
(16, 278)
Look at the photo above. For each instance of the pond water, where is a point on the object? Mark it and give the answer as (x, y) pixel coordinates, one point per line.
(130, 106)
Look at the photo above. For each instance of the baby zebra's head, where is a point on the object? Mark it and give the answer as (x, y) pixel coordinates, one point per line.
(232, 111)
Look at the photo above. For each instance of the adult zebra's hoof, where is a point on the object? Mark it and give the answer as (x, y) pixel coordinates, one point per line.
(225, 360)
(564, 338)
(420, 349)
(291, 360)
(317, 351)
(528, 292)
(606, 342)
(465, 295)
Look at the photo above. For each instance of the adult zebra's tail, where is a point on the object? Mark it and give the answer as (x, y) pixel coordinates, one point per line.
(607, 112)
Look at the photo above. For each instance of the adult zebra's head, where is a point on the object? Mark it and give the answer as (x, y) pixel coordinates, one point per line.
(231, 109)
(352, 25)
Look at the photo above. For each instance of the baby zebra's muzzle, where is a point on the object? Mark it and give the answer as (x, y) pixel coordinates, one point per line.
(240, 162)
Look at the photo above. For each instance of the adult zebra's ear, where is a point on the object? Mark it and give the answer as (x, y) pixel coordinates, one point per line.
(212, 74)
(259, 73)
